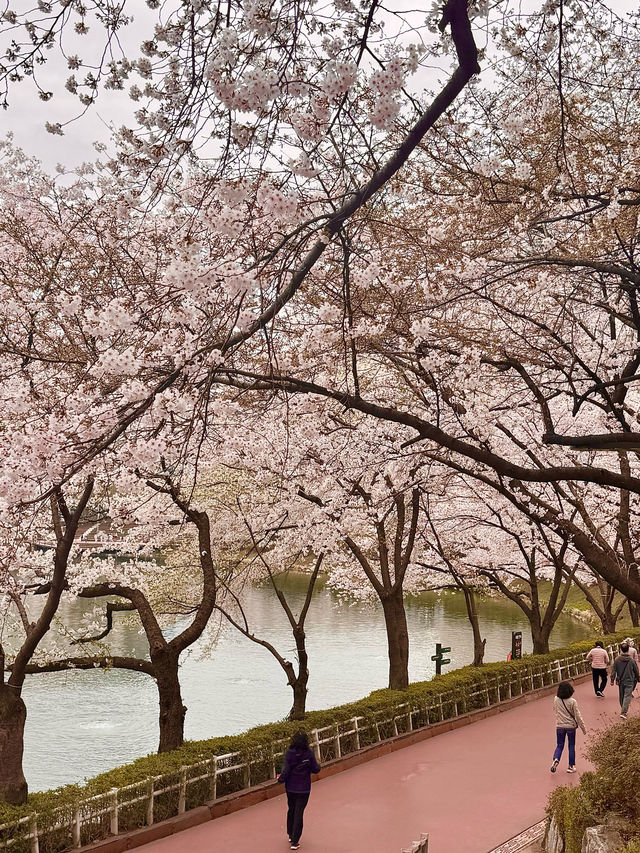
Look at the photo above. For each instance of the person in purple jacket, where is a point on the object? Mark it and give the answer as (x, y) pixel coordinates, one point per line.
(299, 764)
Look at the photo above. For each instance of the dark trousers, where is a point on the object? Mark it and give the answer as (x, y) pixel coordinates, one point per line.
(570, 735)
(625, 692)
(297, 804)
(599, 679)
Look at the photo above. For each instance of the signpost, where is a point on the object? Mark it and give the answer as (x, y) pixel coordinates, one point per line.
(439, 657)
(516, 645)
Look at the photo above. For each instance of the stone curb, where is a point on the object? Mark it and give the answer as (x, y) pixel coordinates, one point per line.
(267, 790)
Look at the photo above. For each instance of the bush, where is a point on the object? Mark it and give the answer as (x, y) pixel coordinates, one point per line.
(574, 811)
(461, 690)
(608, 791)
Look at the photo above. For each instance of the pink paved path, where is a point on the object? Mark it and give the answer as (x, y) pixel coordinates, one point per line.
(471, 789)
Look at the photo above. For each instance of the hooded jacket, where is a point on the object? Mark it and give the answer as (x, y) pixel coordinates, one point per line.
(299, 764)
(625, 671)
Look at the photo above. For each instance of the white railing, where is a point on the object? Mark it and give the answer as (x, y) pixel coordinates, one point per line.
(207, 780)
(421, 846)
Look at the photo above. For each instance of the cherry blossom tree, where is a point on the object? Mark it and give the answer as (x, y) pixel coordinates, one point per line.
(453, 549)
(341, 488)
(235, 613)
(20, 568)
(154, 577)
(502, 319)
(214, 267)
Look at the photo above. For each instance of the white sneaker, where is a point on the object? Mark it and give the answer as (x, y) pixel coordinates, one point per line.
(571, 768)
(623, 716)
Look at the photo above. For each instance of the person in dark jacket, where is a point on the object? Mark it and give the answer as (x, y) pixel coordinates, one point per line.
(299, 764)
(625, 672)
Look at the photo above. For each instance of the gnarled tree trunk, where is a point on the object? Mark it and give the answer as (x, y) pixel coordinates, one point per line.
(13, 714)
(299, 682)
(608, 621)
(172, 711)
(299, 688)
(540, 636)
(395, 619)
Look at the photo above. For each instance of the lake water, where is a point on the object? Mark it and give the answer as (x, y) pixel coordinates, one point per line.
(82, 723)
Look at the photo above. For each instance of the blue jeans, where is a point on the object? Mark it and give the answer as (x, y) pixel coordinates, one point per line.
(570, 734)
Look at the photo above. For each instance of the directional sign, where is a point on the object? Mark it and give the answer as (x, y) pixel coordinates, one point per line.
(439, 657)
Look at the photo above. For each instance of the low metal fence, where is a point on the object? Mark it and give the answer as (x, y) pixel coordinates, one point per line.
(161, 797)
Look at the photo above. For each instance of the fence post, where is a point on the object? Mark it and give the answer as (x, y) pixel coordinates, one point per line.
(409, 720)
(316, 745)
(182, 796)
(355, 726)
(33, 827)
(213, 791)
(114, 811)
(274, 772)
(76, 827)
(338, 750)
(150, 803)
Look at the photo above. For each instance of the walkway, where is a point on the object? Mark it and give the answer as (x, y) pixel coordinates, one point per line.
(470, 789)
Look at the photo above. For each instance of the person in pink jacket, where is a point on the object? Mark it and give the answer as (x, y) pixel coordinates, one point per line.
(599, 660)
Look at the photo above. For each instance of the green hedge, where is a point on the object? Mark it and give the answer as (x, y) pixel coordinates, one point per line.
(256, 743)
(607, 793)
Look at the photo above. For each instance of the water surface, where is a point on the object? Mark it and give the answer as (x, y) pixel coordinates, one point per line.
(81, 723)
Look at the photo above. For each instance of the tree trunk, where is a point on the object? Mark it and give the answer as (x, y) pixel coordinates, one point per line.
(540, 637)
(634, 612)
(172, 711)
(299, 683)
(299, 688)
(13, 714)
(608, 621)
(395, 619)
(478, 646)
(472, 613)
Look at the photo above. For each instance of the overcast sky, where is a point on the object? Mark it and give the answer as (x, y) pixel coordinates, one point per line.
(27, 114)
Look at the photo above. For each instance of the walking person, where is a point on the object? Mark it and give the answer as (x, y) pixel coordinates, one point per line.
(625, 673)
(568, 718)
(633, 652)
(299, 764)
(599, 660)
